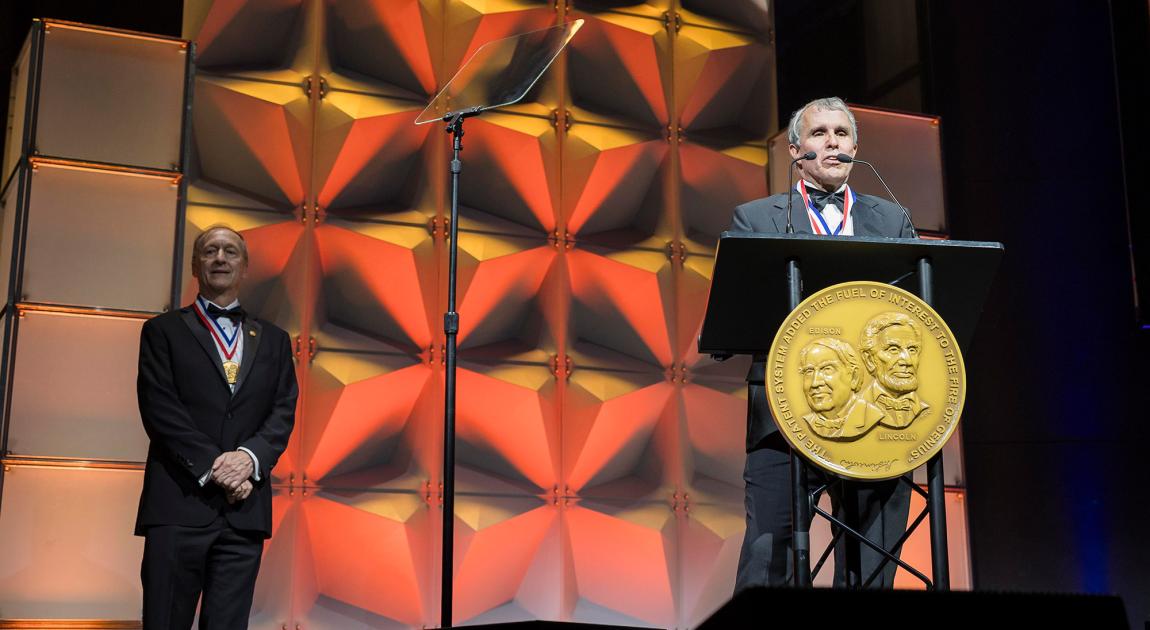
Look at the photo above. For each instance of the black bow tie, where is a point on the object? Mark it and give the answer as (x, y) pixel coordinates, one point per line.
(236, 314)
(821, 198)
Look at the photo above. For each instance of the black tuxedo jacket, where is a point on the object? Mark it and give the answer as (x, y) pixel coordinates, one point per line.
(873, 216)
(192, 416)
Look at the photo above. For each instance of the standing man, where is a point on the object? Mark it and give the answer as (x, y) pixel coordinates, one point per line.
(217, 394)
(822, 203)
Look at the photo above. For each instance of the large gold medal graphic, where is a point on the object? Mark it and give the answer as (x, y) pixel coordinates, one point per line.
(865, 380)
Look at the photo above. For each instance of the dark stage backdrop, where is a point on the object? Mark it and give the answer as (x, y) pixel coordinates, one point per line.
(1055, 426)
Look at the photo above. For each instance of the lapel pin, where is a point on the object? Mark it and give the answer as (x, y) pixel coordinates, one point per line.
(252, 333)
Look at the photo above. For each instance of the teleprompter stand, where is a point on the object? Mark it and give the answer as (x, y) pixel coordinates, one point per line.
(746, 305)
(500, 73)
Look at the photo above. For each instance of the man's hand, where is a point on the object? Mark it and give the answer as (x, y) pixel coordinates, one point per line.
(244, 491)
(231, 469)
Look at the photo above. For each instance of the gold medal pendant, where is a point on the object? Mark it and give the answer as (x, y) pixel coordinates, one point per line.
(866, 380)
(231, 371)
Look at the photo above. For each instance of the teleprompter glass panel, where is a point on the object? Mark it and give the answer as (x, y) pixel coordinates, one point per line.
(95, 416)
(66, 544)
(99, 239)
(110, 97)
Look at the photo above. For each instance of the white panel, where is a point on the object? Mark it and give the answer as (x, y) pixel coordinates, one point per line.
(8, 212)
(100, 239)
(66, 544)
(74, 388)
(17, 106)
(905, 148)
(108, 97)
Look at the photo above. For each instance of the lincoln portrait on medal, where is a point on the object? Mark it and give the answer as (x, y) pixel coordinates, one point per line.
(832, 378)
(217, 394)
(891, 344)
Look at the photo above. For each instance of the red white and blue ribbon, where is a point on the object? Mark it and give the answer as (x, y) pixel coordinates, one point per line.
(227, 345)
(818, 223)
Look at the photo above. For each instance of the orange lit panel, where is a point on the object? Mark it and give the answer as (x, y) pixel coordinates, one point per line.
(616, 67)
(506, 426)
(623, 564)
(378, 280)
(519, 152)
(357, 409)
(720, 81)
(242, 33)
(369, 151)
(369, 557)
(254, 136)
(608, 175)
(497, 543)
(622, 302)
(386, 40)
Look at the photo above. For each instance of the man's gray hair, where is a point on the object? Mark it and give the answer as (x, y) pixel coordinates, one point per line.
(834, 103)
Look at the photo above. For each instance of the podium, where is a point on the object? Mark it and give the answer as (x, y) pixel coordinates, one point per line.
(760, 278)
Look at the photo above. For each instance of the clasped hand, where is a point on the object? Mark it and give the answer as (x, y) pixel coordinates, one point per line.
(231, 471)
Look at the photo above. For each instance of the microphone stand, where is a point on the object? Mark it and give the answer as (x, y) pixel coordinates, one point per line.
(846, 159)
(809, 155)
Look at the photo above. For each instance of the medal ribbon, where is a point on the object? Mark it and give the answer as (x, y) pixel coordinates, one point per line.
(818, 223)
(227, 346)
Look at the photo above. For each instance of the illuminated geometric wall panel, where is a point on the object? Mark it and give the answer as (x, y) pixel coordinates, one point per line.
(468, 24)
(103, 96)
(521, 153)
(619, 67)
(95, 415)
(508, 433)
(710, 538)
(501, 542)
(357, 411)
(723, 82)
(369, 152)
(386, 43)
(254, 136)
(378, 279)
(623, 301)
(87, 213)
(271, 606)
(714, 414)
(504, 285)
(251, 34)
(370, 559)
(715, 179)
(611, 439)
(66, 544)
(746, 14)
(624, 559)
(613, 180)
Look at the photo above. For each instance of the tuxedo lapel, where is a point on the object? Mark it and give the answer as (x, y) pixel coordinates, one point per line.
(204, 338)
(799, 219)
(253, 333)
(866, 218)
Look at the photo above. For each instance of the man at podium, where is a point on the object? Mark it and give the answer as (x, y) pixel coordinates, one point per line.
(820, 203)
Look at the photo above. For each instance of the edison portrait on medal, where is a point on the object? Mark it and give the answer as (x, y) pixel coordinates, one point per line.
(832, 379)
(891, 346)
